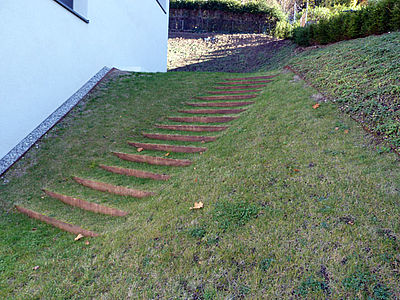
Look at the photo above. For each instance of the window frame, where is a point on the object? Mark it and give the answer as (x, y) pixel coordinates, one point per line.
(163, 9)
(73, 11)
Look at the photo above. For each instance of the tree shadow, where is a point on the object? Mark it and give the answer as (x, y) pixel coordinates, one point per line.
(239, 53)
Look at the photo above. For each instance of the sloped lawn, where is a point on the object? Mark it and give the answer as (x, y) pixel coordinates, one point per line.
(298, 202)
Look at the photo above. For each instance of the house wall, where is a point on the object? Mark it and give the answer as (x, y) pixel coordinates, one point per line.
(47, 54)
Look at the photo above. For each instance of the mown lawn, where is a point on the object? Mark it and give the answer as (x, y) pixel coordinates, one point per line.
(298, 202)
(363, 77)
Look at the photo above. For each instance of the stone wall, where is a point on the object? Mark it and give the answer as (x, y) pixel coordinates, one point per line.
(198, 20)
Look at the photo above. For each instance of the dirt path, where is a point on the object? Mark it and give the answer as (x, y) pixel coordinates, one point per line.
(208, 52)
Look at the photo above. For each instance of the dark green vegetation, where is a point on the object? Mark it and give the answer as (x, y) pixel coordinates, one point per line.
(363, 78)
(234, 6)
(375, 18)
(297, 202)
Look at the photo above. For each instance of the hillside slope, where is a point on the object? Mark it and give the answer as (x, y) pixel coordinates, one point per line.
(363, 77)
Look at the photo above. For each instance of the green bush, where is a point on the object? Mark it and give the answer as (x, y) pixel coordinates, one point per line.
(283, 30)
(376, 18)
(228, 5)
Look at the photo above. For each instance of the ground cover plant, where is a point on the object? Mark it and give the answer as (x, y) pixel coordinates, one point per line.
(362, 77)
(298, 202)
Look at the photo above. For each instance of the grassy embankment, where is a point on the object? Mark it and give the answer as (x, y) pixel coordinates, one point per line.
(298, 201)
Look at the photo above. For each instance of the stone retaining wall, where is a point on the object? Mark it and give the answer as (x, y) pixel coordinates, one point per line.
(198, 20)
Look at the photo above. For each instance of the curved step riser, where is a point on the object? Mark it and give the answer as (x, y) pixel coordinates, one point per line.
(233, 92)
(245, 82)
(56, 223)
(193, 128)
(135, 173)
(220, 104)
(251, 78)
(234, 97)
(158, 161)
(85, 205)
(202, 119)
(239, 87)
(168, 148)
(213, 111)
(182, 138)
(112, 189)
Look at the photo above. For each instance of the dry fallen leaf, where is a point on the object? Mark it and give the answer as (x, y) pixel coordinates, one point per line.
(198, 205)
(346, 131)
(36, 268)
(87, 243)
(78, 237)
(203, 142)
(336, 128)
(315, 106)
(139, 149)
(296, 170)
(167, 154)
(195, 180)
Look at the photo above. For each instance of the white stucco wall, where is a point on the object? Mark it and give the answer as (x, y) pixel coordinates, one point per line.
(47, 54)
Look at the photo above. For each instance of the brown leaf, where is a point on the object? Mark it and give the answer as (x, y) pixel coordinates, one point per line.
(78, 237)
(195, 180)
(315, 106)
(167, 154)
(346, 131)
(36, 268)
(87, 243)
(296, 170)
(336, 128)
(139, 149)
(198, 205)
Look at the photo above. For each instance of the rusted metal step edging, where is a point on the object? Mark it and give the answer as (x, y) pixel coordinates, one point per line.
(85, 205)
(168, 148)
(177, 137)
(112, 189)
(135, 173)
(56, 223)
(152, 160)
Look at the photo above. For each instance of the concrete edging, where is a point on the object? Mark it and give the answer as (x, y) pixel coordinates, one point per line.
(23, 146)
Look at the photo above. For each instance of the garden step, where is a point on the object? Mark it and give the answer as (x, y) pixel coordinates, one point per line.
(113, 189)
(230, 97)
(56, 223)
(93, 207)
(239, 87)
(251, 78)
(168, 148)
(219, 104)
(135, 173)
(177, 137)
(194, 128)
(159, 161)
(213, 111)
(233, 92)
(222, 119)
(245, 82)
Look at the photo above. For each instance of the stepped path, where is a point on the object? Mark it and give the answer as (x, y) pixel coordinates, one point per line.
(230, 89)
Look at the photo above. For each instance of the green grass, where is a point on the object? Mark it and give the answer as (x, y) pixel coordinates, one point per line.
(297, 203)
(362, 76)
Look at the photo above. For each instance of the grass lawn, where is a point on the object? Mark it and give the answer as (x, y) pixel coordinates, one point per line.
(298, 202)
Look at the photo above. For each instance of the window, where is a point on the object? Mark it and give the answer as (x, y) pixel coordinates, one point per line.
(163, 5)
(78, 7)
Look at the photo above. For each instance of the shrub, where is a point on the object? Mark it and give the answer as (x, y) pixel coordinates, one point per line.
(375, 18)
(283, 30)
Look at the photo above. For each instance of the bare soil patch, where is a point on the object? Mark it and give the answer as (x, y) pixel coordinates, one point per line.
(209, 52)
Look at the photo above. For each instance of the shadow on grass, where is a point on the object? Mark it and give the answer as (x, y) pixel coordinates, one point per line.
(239, 53)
